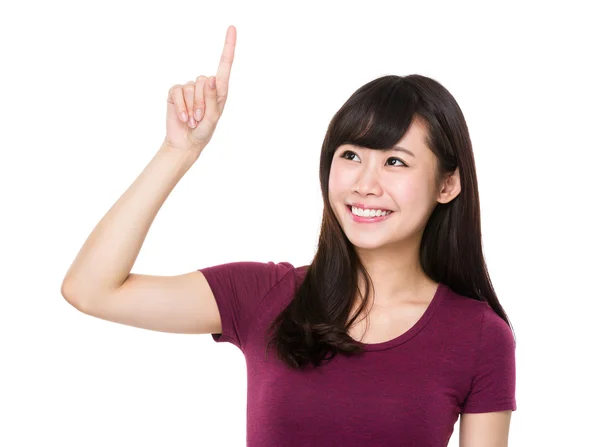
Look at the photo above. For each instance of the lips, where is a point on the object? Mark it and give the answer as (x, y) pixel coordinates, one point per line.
(349, 207)
(366, 207)
(363, 219)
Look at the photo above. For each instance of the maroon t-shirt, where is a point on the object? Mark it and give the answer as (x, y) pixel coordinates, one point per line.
(458, 358)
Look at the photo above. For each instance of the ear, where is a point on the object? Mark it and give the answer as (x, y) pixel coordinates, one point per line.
(450, 187)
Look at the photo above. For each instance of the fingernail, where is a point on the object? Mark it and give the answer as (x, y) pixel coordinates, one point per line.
(212, 82)
(184, 117)
(198, 114)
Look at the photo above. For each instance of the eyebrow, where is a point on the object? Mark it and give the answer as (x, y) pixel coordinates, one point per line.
(396, 148)
(400, 149)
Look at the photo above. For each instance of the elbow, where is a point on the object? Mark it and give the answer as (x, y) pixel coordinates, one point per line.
(70, 296)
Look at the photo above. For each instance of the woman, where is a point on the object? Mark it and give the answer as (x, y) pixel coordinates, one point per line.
(390, 333)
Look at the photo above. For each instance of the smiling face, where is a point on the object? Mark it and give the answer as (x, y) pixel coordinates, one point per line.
(390, 180)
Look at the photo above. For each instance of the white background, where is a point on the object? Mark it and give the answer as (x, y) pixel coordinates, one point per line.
(82, 102)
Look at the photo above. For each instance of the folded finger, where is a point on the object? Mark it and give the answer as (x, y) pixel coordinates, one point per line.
(188, 95)
(176, 96)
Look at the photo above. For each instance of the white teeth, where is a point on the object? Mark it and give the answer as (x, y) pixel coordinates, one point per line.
(369, 213)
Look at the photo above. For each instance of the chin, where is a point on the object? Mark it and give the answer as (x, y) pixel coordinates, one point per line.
(365, 242)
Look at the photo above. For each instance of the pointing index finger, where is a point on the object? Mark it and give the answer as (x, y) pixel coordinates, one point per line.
(224, 69)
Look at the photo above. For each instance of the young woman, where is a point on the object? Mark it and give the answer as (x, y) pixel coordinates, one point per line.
(390, 333)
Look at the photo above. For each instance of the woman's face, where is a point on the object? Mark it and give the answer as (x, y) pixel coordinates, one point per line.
(388, 180)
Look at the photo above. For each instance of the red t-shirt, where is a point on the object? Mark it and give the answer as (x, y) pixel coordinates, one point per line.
(458, 358)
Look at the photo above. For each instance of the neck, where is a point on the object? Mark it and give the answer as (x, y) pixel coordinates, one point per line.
(396, 275)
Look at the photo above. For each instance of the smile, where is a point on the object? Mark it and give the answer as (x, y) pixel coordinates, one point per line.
(368, 219)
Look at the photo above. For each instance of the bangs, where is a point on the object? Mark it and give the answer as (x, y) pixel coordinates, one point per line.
(376, 116)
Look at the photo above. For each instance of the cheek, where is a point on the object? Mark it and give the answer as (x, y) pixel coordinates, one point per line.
(337, 183)
(412, 193)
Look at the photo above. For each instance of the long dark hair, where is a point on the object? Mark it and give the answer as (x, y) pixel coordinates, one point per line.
(314, 326)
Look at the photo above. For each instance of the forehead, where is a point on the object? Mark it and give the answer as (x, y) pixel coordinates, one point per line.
(415, 137)
(414, 140)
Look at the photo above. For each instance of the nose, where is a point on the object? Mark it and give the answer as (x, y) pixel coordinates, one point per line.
(368, 183)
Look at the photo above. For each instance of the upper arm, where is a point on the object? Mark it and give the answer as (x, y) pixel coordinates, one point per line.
(487, 409)
(484, 429)
(179, 304)
(493, 382)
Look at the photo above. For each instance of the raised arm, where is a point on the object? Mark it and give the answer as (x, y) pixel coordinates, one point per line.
(99, 281)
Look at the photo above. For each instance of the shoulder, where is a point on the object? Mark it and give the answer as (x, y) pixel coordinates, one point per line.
(253, 268)
(248, 277)
(495, 334)
(477, 321)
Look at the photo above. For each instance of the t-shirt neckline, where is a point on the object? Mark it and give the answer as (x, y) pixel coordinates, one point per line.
(437, 299)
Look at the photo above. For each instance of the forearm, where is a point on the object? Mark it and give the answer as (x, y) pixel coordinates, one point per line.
(107, 256)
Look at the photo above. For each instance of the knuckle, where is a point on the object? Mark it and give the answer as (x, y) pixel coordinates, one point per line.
(200, 78)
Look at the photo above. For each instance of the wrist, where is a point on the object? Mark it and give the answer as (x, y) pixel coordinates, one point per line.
(189, 155)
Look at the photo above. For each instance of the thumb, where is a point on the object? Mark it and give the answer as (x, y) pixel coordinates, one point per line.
(211, 113)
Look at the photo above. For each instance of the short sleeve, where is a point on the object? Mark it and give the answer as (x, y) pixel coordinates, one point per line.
(238, 288)
(494, 379)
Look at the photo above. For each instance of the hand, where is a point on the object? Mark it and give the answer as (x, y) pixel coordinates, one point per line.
(200, 103)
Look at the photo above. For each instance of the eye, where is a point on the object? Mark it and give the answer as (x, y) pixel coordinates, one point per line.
(391, 158)
(347, 152)
(395, 158)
